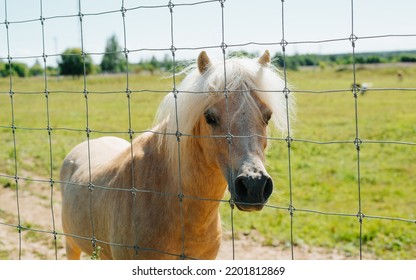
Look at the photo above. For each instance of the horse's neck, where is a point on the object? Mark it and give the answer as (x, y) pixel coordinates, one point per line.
(189, 173)
(201, 185)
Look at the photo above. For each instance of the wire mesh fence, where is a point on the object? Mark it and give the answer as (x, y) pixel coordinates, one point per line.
(17, 173)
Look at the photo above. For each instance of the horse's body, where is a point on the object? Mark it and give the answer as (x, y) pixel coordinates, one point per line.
(148, 206)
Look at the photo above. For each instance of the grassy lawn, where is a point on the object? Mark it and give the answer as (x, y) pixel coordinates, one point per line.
(107, 114)
(323, 176)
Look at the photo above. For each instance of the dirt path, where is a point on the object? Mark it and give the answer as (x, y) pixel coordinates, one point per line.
(35, 213)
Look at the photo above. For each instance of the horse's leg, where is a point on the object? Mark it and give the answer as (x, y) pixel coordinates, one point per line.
(72, 250)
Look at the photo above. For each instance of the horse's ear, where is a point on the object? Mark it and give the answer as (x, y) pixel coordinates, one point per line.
(203, 62)
(265, 58)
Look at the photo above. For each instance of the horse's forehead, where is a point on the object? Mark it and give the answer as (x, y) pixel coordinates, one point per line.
(242, 101)
(244, 110)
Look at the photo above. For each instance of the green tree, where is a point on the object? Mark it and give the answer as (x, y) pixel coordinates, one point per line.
(288, 62)
(242, 53)
(72, 62)
(17, 69)
(3, 72)
(36, 69)
(407, 58)
(167, 63)
(113, 59)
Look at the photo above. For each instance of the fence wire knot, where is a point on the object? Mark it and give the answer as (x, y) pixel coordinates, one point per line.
(134, 192)
(88, 131)
(173, 50)
(171, 6)
(360, 216)
(178, 136)
(232, 203)
(175, 93)
(181, 196)
(291, 209)
(355, 90)
(353, 38)
(80, 15)
(123, 11)
(226, 92)
(223, 47)
(136, 249)
(128, 92)
(357, 143)
(283, 43)
(289, 141)
(286, 92)
(94, 242)
(91, 186)
(131, 133)
(49, 130)
(229, 138)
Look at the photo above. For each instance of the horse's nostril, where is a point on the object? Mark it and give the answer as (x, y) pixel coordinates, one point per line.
(268, 188)
(252, 190)
(241, 188)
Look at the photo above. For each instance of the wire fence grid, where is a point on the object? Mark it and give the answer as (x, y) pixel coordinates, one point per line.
(172, 6)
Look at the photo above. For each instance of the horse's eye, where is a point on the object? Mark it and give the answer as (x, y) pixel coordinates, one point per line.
(267, 117)
(210, 118)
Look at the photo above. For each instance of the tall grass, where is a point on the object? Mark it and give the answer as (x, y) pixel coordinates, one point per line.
(324, 177)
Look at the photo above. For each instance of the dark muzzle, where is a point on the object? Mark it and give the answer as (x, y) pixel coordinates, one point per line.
(251, 193)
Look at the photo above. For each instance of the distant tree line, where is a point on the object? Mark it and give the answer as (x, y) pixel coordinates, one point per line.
(295, 61)
(73, 62)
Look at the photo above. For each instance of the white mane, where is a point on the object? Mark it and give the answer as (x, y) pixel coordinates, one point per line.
(198, 92)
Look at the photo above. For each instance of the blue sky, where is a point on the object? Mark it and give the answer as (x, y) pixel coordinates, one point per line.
(198, 26)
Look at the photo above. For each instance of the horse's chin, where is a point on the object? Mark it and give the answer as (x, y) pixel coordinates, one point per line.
(249, 207)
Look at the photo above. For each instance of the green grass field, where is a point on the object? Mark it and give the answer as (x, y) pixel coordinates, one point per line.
(323, 175)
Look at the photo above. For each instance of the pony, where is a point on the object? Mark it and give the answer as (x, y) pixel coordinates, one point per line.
(158, 196)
